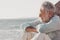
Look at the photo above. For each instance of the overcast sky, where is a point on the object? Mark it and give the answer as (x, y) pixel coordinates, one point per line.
(11, 9)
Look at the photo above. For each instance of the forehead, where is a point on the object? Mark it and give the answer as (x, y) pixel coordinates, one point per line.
(42, 9)
(47, 9)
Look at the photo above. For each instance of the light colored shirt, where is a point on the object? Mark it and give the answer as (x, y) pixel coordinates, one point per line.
(53, 25)
(52, 28)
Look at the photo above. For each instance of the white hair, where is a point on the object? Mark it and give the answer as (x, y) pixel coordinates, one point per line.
(48, 6)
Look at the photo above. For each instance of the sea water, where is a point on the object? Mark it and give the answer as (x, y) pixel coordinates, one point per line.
(10, 28)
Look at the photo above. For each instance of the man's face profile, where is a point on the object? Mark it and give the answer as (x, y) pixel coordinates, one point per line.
(45, 15)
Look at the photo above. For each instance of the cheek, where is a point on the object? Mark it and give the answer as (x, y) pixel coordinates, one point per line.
(45, 18)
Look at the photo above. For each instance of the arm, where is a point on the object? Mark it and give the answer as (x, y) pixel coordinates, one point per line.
(33, 24)
(53, 25)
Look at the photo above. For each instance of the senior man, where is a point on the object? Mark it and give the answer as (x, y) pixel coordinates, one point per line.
(49, 21)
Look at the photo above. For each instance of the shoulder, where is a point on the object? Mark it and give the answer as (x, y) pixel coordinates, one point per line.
(55, 18)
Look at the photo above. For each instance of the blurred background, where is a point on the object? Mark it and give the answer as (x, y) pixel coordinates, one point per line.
(15, 12)
(14, 9)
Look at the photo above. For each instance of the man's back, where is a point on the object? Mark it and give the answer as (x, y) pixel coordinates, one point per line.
(57, 5)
